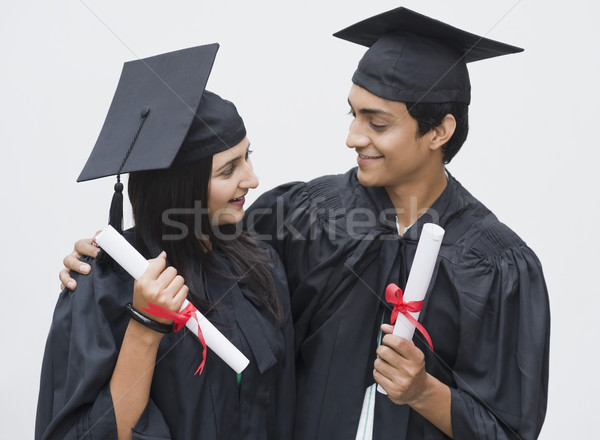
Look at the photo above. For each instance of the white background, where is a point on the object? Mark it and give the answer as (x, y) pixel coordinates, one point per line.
(530, 157)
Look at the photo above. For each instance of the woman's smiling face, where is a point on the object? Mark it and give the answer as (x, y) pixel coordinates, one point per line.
(231, 178)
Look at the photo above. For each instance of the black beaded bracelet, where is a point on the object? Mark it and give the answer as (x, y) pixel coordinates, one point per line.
(148, 322)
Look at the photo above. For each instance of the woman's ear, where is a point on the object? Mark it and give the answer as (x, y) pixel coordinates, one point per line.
(443, 132)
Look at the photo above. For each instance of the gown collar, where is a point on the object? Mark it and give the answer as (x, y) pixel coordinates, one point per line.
(261, 335)
(449, 205)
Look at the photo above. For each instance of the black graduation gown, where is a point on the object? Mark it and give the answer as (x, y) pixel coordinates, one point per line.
(487, 310)
(82, 348)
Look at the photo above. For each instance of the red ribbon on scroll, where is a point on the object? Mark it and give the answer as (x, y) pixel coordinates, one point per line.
(394, 295)
(179, 320)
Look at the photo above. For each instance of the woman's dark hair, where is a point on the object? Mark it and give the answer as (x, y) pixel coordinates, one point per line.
(430, 116)
(168, 216)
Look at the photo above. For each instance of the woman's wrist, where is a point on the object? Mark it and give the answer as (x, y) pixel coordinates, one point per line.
(143, 335)
(156, 324)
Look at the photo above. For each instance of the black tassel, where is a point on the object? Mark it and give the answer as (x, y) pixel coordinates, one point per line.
(115, 218)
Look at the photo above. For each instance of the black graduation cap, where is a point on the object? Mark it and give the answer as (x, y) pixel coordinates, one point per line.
(415, 58)
(161, 114)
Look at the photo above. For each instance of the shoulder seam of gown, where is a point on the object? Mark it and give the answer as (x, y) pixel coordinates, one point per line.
(496, 239)
(323, 192)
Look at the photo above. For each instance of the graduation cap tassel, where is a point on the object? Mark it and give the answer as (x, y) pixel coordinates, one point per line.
(115, 216)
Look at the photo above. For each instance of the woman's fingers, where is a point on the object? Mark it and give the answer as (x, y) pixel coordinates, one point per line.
(175, 293)
(155, 268)
(174, 286)
(180, 297)
(167, 276)
(160, 286)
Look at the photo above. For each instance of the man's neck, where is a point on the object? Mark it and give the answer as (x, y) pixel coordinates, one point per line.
(412, 199)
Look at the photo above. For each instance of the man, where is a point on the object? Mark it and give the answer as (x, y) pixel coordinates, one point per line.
(344, 238)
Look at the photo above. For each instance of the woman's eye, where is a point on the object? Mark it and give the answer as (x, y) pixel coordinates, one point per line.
(248, 153)
(228, 171)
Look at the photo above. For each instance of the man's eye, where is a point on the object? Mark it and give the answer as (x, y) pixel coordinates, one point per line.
(377, 127)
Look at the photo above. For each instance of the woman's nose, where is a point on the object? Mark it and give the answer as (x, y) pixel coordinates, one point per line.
(249, 180)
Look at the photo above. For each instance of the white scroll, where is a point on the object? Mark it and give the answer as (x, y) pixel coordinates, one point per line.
(420, 275)
(419, 278)
(135, 264)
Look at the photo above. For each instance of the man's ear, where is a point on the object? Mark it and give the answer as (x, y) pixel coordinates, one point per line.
(441, 134)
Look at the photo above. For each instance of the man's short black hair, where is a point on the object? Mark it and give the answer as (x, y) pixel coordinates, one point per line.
(429, 116)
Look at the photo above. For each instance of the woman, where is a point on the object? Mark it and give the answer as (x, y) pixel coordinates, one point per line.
(108, 370)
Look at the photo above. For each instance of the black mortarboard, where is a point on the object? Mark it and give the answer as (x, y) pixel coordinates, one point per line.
(415, 58)
(160, 114)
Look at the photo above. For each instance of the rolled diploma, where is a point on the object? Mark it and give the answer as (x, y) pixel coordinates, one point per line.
(135, 264)
(419, 277)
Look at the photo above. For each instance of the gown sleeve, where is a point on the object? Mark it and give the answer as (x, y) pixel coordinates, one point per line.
(81, 352)
(501, 369)
(299, 221)
(285, 389)
(305, 224)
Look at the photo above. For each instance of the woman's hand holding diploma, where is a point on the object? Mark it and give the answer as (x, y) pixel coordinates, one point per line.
(159, 285)
(132, 378)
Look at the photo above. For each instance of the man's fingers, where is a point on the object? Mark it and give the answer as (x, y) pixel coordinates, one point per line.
(384, 368)
(86, 247)
(382, 380)
(401, 346)
(387, 329)
(66, 280)
(389, 354)
(72, 262)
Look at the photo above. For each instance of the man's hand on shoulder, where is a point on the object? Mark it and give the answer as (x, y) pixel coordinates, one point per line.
(83, 247)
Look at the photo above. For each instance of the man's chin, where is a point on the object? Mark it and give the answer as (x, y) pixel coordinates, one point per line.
(367, 179)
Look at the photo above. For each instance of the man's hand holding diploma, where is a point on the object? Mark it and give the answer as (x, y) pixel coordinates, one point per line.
(400, 370)
(400, 366)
